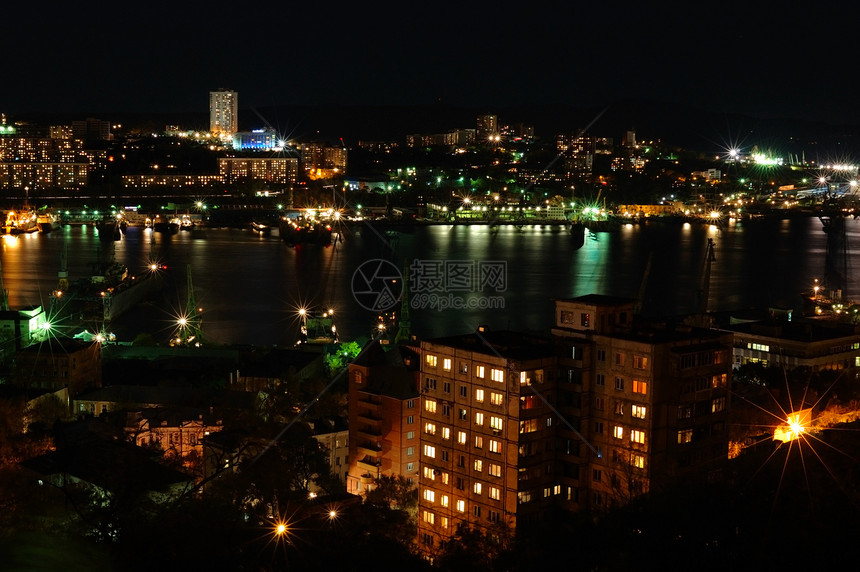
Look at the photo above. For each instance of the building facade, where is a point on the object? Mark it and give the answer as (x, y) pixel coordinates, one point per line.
(223, 112)
(276, 170)
(483, 432)
(514, 427)
(384, 416)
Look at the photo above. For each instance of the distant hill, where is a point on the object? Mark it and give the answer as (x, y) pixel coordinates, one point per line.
(675, 125)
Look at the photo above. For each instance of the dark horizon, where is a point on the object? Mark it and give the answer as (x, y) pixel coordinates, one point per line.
(165, 58)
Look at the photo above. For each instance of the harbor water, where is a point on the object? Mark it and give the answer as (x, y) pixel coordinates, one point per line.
(250, 285)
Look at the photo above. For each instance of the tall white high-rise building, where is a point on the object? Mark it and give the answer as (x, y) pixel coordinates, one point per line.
(224, 112)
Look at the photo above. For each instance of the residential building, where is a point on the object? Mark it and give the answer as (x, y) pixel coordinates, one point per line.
(653, 399)
(487, 128)
(333, 435)
(51, 365)
(384, 415)
(817, 345)
(486, 435)
(223, 112)
(277, 170)
(515, 426)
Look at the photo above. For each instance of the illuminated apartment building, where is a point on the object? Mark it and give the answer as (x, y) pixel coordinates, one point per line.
(487, 128)
(278, 170)
(514, 427)
(485, 431)
(224, 112)
(653, 402)
(384, 416)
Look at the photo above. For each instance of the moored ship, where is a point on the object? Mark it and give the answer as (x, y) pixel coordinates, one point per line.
(45, 220)
(103, 296)
(21, 221)
(304, 230)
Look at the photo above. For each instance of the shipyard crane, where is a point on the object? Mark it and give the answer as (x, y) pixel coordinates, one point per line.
(190, 324)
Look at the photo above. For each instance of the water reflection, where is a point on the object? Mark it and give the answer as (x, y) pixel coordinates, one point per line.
(250, 285)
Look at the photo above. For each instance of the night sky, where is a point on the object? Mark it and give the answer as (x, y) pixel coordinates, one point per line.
(166, 56)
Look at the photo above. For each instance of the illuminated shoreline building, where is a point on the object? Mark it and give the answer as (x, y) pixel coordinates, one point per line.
(224, 112)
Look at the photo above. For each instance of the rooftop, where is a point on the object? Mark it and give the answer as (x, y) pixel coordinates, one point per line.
(503, 343)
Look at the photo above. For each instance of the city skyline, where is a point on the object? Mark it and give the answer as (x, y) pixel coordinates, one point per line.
(167, 58)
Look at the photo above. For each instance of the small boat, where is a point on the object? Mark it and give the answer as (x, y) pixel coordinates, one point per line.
(261, 227)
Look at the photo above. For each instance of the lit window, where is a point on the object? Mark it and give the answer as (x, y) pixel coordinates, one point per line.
(685, 436)
(640, 387)
(430, 405)
(429, 473)
(479, 418)
(446, 433)
(496, 422)
(495, 446)
(429, 517)
(637, 461)
(496, 398)
(461, 505)
(431, 360)
(618, 432)
(718, 404)
(528, 425)
(446, 364)
(494, 493)
(497, 375)
(638, 411)
(444, 521)
(479, 395)
(477, 488)
(637, 436)
(430, 451)
(461, 437)
(479, 371)
(479, 465)
(429, 495)
(479, 442)
(430, 428)
(494, 470)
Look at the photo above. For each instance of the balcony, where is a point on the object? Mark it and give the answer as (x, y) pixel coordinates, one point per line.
(370, 433)
(370, 419)
(370, 464)
(369, 449)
